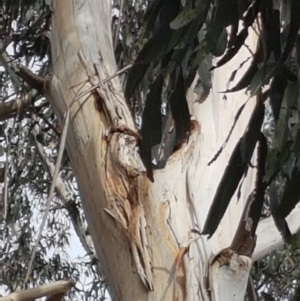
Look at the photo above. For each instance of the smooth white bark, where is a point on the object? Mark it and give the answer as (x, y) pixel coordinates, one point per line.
(269, 238)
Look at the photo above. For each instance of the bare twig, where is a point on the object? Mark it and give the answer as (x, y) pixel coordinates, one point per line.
(55, 175)
(119, 72)
(94, 87)
(66, 199)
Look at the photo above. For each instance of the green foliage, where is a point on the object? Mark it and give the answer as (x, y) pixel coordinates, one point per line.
(277, 275)
(272, 75)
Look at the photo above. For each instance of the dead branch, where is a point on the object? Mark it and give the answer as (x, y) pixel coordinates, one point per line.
(66, 199)
(58, 289)
(10, 108)
(33, 80)
(51, 191)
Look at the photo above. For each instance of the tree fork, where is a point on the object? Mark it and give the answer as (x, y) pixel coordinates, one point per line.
(141, 231)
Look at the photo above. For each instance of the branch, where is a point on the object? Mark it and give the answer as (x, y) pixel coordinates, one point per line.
(10, 108)
(33, 80)
(51, 192)
(269, 238)
(58, 288)
(66, 198)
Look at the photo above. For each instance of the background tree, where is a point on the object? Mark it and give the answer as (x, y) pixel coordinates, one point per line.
(146, 189)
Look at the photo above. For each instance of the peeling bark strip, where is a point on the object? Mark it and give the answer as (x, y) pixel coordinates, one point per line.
(125, 185)
(115, 110)
(124, 170)
(102, 143)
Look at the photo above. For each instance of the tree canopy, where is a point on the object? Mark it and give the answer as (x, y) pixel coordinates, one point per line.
(172, 45)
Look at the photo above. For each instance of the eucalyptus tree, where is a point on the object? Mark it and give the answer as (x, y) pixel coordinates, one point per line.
(164, 103)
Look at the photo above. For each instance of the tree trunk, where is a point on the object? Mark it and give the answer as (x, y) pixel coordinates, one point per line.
(142, 231)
